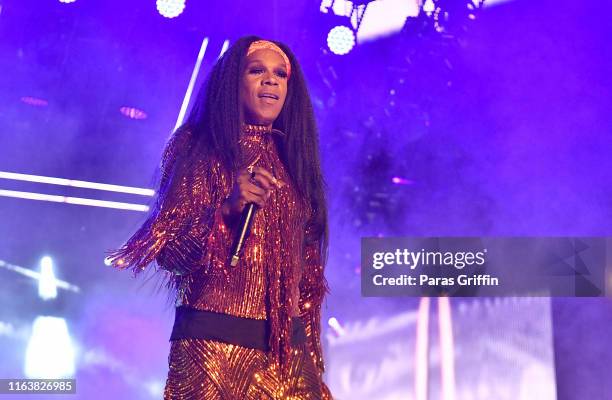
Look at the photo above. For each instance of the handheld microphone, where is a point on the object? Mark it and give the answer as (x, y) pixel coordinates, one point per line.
(246, 218)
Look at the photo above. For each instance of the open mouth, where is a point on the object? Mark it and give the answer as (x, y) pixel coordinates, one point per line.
(269, 96)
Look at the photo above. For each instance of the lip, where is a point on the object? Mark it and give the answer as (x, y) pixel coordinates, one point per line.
(267, 95)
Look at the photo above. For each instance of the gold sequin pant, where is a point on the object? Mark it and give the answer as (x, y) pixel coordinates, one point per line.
(202, 369)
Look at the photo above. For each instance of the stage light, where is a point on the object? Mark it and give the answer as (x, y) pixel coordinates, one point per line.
(76, 183)
(38, 276)
(421, 358)
(133, 112)
(447, 349)
(170, 8)
(336, 327)
(429, 7)
(155, 389)
(194, 75)
(224, 48)
(341, 40)
(73, 200)
(67, 1)
(34, 101)
(6, 329)
(401, 181)
(50, 353)
(47, 289)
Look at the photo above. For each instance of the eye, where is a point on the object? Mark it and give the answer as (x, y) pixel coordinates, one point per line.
(281, 73)
(255, 70)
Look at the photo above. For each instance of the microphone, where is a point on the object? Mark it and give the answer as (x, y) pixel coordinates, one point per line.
(246, 218)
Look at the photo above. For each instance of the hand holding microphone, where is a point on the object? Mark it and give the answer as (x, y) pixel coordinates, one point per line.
(252, 189)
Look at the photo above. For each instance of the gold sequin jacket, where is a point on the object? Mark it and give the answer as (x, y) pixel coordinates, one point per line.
(279, 274)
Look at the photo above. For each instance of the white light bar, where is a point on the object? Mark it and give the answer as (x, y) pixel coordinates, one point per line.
(194, 75)
(447, 349)
(74, 200)
(47, 288)
(75, 183)
(37, 276)
(421, 359)
(223, 48)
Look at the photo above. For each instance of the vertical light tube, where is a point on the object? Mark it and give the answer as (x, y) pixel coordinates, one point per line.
(447, 350)
(422, 350)
(194, 75)
(47, 288)
(224, 47)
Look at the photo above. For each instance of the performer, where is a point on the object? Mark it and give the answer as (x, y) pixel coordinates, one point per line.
(251, 331)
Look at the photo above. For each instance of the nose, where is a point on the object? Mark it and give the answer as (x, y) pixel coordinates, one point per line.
(269, 79)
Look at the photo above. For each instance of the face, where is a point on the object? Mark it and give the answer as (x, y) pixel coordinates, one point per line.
(263, 87)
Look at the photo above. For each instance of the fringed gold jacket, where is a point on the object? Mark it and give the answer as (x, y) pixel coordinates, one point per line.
(279, 275)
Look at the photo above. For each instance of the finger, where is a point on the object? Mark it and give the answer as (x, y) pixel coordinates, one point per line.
(258, 179)
(248, 192)
(243, 176)
(258, 195)
(257, 199)
(254, 189)
(263, 194)
(263, 182)
(259, 171)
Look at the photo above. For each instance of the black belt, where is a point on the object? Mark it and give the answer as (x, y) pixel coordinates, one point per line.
(190, 323)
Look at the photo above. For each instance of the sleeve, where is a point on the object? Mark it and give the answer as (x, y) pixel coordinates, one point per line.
(313, 288)
(186, 227)
(202, 240)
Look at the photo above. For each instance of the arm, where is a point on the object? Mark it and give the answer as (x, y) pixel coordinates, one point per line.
(313, 288)
(187, 217)
(203, 240)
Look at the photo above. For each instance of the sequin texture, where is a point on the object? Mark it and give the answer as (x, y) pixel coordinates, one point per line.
(278, 276)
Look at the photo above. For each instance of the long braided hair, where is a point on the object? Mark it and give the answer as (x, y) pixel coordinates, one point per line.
(215, 123)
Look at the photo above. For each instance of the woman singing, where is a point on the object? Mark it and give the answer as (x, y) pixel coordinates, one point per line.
(250, 331)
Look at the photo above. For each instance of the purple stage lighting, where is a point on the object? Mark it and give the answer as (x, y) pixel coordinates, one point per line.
(336, 327)
(34, 101)
(170, 8)
(341, 40)
(133, 112)
(401, 181)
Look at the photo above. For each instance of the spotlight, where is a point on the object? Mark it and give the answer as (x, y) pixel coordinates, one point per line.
(50, 353)
(170, 8)
(341, 40)
(67, 1)
(47, 288)
(335, 325)
(133, 112)
(34, 101)
(401, 181)
(429, 7)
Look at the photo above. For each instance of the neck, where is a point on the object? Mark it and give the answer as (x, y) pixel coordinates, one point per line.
(253, 128)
